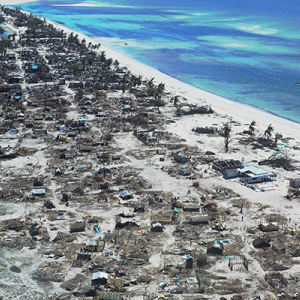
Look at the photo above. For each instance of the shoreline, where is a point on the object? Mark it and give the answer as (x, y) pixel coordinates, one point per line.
(220, 104)
(240, 112)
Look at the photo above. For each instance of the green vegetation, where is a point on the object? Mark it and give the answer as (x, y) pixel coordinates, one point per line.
(278, 136)
(225, 132)
(252, 127)
(202, 272)
(205, 282)
(202, 260)
(268, 132)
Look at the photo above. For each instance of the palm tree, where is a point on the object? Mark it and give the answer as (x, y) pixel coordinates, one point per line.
(76, 39)
(175, 100)
(225, 132)
(268, 131)
(278, 136)
(139, 80)
(127, 76)
(116, 64)
(107, 64)
(252, 127)
(91, 59)
(160, 89)
(4, 43)
(70, 38)
(151, 91)
(74, 68)
(149, 83)
(124, 88)
(102, 56)
(23, 43)
(133, 80)
(97, 94)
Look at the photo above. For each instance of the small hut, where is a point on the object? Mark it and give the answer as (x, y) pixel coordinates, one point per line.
(190, 207)
(49, 204)
(126, 195)
(197, 220)
(185, 171)
(260, 243)
(65, 197)
(62, 81)
(91, 245)
(99, 278)
(215, 248)
(295, 183)
(39, 181)
(84, 256)
(77, 227)
(156, 227)
(57, 172)
(180, 158)
(38, 192)
(267, 227)
(189, 262)
(139, 207)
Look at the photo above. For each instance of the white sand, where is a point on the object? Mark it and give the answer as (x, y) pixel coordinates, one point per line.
(14, 2)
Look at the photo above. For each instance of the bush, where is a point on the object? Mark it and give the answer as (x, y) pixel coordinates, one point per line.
(196, 184)
(108, 137)
(202, 260)
(98, 178)
(119, 180)
(104, 157)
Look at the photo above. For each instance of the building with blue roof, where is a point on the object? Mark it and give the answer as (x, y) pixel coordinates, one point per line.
(126, 195)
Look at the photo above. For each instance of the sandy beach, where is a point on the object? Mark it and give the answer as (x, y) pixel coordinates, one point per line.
(137, 165)
(13, 2)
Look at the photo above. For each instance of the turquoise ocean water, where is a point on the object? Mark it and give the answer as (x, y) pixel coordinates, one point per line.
(246, 51)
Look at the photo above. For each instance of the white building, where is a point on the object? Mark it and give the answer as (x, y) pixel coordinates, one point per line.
(254, 174)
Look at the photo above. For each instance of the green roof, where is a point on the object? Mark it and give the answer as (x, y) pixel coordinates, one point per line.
(253, 169)
(113, 296)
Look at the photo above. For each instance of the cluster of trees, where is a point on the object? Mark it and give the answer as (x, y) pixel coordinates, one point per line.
(156, 91)
(87, 56)
(225, 131)
(4, 44)
(81, 44)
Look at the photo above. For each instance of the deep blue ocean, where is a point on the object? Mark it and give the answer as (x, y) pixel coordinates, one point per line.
(246, 51)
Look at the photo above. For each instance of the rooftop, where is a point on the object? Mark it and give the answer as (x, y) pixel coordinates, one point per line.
(253, 169)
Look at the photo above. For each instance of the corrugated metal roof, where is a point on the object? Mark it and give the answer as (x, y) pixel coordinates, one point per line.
(125, 193)
(98, 275)
(38, 191)
(253, 169)
(109, 296)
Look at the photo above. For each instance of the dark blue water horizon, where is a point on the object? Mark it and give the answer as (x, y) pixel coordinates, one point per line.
(245, 51)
